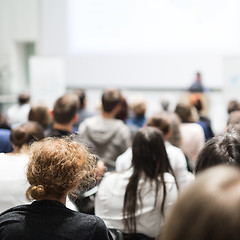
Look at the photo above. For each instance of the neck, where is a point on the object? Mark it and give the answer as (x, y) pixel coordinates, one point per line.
(61, 199)
(63, 127)
(108, 115)
(21, 150)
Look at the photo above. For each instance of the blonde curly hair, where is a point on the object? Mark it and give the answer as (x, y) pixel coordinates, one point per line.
(57, 166)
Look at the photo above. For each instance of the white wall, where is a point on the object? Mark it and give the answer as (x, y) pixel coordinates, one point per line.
(19, 24)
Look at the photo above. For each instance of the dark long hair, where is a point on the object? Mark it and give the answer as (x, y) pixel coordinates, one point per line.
(149, 159)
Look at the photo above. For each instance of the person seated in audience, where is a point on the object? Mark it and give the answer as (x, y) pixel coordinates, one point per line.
(18, 113)
(39, 113)
(221, 149)
(5, 130)
(197, 100)
(176, 157)
(192, 135)
(12, 165)
(64, 115)
(175, 138)
(56, 167)
(209, 209)
(233, 105)
(110, 137)
(137, 200)
(233, 118)
(122, 113)
(82, 112)
(138, 113)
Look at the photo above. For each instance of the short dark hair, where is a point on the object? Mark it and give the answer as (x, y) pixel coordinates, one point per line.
(221, 149)
(23, 98)
(65, 108)
(110, 99)
(81, 97)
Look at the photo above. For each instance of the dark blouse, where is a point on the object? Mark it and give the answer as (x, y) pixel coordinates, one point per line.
(50, 220)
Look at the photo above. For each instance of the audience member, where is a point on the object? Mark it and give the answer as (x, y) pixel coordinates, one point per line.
(222, 149)
(175, 138)
(39, 113)
(138, 113)
(56, 167)
(64, 115)
(5, 130)
(18, 113)
(122, 113)
(176, 157)
(233, 118)
(82, 112)
(209, 209)
(135, 201)
(203, 121)
(233, 105)
(13, 180)
(109, 136)
(192, 134)
(3, 122)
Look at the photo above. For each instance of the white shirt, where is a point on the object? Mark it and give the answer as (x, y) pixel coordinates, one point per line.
(18, 114)
(13, 180)
(192, 140)
(176, 158)
(149, 220)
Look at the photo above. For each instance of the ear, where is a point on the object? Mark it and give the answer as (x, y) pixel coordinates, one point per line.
(167, 135)
(75, 118)
(51, 113)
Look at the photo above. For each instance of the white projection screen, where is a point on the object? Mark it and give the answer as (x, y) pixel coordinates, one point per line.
(150, 43)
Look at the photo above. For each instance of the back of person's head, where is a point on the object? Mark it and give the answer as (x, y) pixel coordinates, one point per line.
(209, 209)
(57, 166)
(175, 137)
(39, 112)
(81, 97)
(161, 121)
(184, 112)
(149, 153)
(122, 113)
(233, 118)
(65, 108)
(233, 105)
(26, 133)
(111, 98)
(139, 107)
(23, 98)
(221, 149)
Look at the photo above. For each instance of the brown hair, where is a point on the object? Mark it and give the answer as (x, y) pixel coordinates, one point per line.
(39, 112)
(110, 99)
(139, 107)
(160, 121)
(26, 133)
(57, 166)
(65, 108)
(184, 112)
(208, 209)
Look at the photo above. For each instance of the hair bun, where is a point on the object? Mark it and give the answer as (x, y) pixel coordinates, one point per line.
(37, 192)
